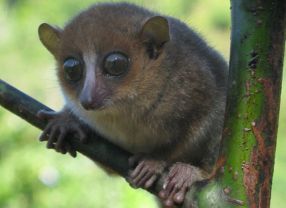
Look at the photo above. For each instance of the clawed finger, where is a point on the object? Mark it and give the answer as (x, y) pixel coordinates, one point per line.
(173, 172)
(61, 140)
(138, 177)
(137, 170)
(180, 195)
(170, 177)
(163, 194)
(45, 135)
(52, 138)
(62, 150)
(170, 187)
(70, 150)
(150, 181)
(169, 201)
(169, 190)
(144, 179)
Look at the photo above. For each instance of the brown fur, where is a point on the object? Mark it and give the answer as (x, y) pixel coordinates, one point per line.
(170, 104)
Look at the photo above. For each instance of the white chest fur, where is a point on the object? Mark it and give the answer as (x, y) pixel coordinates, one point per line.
(122, 130)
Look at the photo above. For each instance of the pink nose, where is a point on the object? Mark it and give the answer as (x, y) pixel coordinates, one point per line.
(91, 103)
(87, 104)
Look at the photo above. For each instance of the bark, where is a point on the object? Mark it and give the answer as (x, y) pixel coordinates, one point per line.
(243, 173)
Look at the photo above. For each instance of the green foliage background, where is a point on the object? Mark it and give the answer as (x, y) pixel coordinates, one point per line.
(30, 175)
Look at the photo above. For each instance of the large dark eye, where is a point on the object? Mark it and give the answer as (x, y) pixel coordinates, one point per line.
(72, 69)
(116, 64)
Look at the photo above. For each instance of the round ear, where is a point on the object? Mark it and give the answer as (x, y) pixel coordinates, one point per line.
(50, 37)
(156, 31)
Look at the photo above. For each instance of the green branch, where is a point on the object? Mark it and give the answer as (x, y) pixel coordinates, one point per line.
(245, 167)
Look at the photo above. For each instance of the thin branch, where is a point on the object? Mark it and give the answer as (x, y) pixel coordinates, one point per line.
(98, 149)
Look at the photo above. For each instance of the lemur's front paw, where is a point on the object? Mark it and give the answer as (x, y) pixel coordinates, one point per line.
(180, 178)
(60, 126)
(146, 172)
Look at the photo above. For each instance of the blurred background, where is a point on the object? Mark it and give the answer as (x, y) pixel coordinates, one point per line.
(32, 176)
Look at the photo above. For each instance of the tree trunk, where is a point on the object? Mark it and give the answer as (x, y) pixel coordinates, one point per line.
(243, 173)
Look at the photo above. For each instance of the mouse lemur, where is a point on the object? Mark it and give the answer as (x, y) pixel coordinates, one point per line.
(146, 82)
